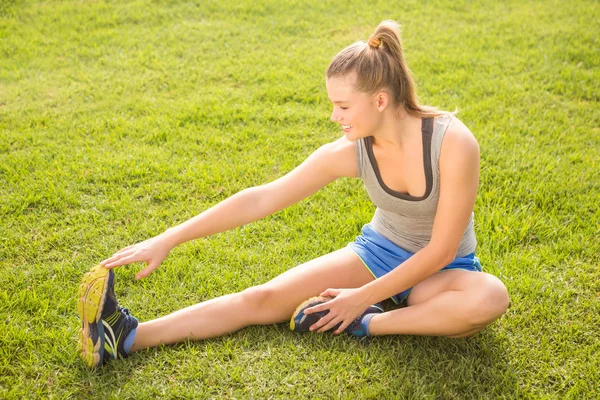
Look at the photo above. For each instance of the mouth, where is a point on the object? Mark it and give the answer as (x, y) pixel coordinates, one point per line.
(346, 127)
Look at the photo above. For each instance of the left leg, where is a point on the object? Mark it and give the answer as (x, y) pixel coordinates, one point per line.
(453, 303)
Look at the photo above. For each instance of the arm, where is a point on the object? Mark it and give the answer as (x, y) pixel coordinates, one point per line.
(327, 163)
(459, 179)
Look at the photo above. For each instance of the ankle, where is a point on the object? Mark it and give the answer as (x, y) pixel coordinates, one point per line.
(372, 325)
(129, 340)
(366, 322)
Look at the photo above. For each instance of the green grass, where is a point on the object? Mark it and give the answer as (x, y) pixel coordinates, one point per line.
(121, 119)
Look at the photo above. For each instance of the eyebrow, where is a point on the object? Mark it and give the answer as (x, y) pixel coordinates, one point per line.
(340, 101)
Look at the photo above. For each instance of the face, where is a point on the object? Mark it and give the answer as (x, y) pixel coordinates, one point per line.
(357, 113)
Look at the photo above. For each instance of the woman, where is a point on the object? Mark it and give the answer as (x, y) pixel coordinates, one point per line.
(420, 167)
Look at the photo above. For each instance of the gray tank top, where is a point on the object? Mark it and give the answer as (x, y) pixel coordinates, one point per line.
(406, 220)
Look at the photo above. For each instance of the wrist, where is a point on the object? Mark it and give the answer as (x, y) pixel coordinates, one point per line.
(369, 294)
(171, 238)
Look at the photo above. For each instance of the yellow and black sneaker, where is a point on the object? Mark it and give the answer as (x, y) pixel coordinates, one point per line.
(107, 329)
(301, 322)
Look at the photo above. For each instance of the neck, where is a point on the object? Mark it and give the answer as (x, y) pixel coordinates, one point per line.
(396, 129)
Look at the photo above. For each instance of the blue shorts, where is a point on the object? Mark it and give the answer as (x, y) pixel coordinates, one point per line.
(381, 256)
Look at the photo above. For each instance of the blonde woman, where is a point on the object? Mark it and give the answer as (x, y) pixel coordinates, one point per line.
(420, 167)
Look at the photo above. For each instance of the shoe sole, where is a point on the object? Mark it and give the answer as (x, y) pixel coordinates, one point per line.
(92, 294)
(305, 304)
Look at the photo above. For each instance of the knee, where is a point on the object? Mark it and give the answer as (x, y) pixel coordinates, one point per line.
(257, 297)
(262, 305)
(490, 301)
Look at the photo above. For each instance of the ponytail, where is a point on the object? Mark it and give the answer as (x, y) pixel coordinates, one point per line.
(379, 64)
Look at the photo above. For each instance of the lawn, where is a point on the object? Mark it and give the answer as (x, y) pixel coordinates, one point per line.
(119, 119)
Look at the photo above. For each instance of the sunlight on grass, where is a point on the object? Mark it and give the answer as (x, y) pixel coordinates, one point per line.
(121, 119)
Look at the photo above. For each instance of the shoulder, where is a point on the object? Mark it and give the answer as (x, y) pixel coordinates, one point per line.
(339, 157)
(458, 141)
(459, 155)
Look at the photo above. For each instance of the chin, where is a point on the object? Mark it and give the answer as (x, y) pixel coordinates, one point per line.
(350, 136)
(353, 135)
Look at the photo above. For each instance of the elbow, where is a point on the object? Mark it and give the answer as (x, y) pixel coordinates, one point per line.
(254, 201)
(443, 255)
(448, 259)
(251, 197)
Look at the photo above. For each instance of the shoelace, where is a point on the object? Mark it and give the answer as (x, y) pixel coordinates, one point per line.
(129, 319)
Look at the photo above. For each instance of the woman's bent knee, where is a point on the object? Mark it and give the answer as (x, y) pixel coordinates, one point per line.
(489, 303)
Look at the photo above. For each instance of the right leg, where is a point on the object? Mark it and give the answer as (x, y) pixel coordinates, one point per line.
(266, 304)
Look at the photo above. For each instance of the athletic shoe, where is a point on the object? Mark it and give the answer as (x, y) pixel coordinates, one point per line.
(105, 325)
(301, 322)
(117, 323)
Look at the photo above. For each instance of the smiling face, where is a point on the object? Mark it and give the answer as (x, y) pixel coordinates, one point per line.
(358, 113)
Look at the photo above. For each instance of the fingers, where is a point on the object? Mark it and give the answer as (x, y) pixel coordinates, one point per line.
(118, 255)
(331, 293)
(331, 324)
(118, 260)
(124, 250)
(341, 328)
(131, 258)
(147, 271)
(319, 307)
(321, 323)
(330, 320)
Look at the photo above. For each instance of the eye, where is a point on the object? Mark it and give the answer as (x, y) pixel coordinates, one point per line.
(343, 108)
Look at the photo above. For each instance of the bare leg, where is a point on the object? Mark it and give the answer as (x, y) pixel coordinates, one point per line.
(453, 303)
(270, 303)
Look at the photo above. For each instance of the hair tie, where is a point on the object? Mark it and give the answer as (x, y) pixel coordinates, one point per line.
(374, 42)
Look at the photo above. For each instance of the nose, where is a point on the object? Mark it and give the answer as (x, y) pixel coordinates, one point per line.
(334, 116)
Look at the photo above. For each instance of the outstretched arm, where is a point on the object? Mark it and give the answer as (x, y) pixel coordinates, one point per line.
(326, 164)
(320, 168)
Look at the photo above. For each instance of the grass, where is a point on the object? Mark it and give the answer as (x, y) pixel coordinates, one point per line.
(121, 119)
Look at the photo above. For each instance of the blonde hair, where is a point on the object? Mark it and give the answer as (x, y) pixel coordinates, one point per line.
(379, 64)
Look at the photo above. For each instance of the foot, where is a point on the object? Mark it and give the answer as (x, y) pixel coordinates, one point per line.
(301, 322)
(105, 325)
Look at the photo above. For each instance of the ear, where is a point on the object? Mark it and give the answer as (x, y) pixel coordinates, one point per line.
(382, 100)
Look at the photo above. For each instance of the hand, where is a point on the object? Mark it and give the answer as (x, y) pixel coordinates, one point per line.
(346, 306)
(152, 251)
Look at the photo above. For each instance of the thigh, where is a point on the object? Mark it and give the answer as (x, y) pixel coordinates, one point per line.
(455, 279)
(340, 269)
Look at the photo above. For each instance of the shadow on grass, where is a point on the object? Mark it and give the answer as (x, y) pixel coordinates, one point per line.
(474, 367)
